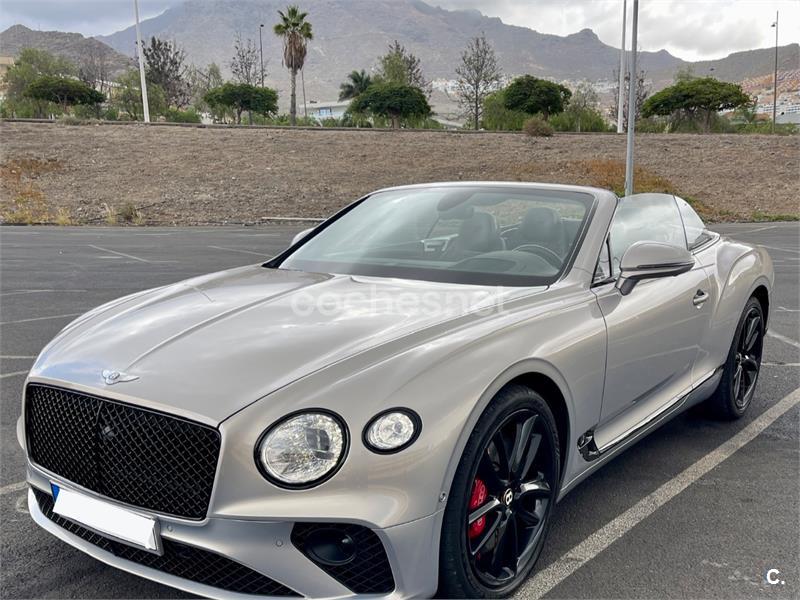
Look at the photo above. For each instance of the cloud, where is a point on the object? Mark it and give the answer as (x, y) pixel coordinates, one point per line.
(690, 29)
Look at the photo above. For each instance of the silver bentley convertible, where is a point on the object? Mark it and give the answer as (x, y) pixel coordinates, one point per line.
(394, 405)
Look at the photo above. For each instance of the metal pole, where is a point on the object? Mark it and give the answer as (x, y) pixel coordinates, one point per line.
(303, 82)
(775, 80)
(261, 47)
(621, 92)
(140, 53)
(632, 102)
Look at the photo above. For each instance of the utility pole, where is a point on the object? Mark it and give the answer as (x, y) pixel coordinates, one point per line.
(775, 80)
(140, 52)
(632, 102)
(621, 92)
(261, 47)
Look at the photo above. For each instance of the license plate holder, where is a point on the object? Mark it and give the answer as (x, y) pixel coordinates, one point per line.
(107, 519)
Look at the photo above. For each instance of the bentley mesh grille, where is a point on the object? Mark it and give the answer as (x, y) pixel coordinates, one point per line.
(178, 559)
(133, 455)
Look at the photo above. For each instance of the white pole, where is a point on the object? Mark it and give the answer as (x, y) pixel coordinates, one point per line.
(632, 103)
(621, 93)
(140, 53)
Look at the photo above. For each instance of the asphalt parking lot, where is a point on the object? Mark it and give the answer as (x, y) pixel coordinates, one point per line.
(640, 527)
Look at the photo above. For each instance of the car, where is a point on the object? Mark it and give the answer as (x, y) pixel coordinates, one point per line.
(394, 404)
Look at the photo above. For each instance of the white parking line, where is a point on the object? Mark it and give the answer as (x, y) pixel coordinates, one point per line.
(131, 256)
(41, 319)
(574, 559)
(14, 374)
(15, 357)
(261, 254)
(13, 487)
(784, 339)
(20, 292)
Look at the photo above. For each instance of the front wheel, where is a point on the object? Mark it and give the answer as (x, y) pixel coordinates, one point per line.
(738, 384)
(501, 498)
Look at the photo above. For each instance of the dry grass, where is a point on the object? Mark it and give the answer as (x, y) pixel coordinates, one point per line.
(29, 204)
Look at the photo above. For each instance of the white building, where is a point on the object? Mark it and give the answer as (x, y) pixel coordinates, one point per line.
(326, 110)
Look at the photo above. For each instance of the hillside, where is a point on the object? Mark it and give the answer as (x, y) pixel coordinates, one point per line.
(72, 46)
(206, 29)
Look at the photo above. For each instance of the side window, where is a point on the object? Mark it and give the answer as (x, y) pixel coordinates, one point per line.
(645, 218)
(604, 271)
(696, 232)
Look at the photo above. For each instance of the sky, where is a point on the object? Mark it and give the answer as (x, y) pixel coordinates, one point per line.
(690, 29)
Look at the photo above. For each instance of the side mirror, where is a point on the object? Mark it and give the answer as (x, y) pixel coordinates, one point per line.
(650, 260)
(301, 235)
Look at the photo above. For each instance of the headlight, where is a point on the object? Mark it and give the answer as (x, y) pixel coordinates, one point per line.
(303, 449)
(392, 430)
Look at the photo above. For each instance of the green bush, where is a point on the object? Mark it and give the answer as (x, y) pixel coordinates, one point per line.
(536, 127)
(174, 115)
(497, 117)
(579, 120)
(111, 114)
(331, 122)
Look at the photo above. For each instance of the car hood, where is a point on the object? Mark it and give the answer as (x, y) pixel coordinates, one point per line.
(207, 347)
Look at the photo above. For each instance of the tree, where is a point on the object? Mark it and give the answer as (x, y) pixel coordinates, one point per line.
(392, 100)
(93, 67)
(245, 63)
(200, 81)
(581, 113)
(166, 68)
(31, 64)
(296, 32)
(356, 84)
(478, 75)
(642, 91)
(242, 97)
(63, 91)
(401, 67)
(532, 96)
(128, 97)
(497, 117)
(692, 98)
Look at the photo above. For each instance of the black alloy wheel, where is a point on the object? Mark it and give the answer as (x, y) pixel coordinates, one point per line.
(501, 499)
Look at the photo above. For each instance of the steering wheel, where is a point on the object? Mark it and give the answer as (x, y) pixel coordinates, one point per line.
(547, 254)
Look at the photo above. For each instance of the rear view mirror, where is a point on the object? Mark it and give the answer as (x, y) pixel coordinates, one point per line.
(651, 260)
(301, 235)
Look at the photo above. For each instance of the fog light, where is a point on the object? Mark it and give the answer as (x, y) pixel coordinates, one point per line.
(330, 547)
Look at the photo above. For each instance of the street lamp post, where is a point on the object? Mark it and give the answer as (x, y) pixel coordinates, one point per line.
(621, 92)
(261, 48)
(140, 53)
(632, 102)
(775, 79)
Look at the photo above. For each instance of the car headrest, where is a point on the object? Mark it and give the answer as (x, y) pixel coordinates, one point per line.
(479, 233)
(541, 224)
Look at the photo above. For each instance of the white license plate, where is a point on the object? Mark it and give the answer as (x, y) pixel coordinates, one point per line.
(106, 518)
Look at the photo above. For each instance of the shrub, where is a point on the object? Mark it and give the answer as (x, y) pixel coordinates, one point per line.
(536, 127)
(190, 115)
(331, 122)
(111, 114)
(582, 120)
(497, 117)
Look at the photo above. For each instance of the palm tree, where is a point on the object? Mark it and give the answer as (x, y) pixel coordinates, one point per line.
(295, 31)
(356, 84)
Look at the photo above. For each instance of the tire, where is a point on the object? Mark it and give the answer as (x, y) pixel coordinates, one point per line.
(514, 448)
(736, 388)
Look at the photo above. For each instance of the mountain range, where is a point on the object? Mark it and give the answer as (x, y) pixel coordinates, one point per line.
(351, 34)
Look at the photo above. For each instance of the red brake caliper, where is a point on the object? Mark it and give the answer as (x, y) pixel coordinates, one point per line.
(477, 498)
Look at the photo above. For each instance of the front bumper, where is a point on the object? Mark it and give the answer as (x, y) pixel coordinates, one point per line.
(265, 546)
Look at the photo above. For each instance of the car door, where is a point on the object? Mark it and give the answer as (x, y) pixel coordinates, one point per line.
(655, 331)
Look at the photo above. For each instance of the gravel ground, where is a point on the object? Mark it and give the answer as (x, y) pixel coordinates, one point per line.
(189, 175)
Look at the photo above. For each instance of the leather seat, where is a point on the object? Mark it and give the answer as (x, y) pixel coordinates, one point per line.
(476, 235)
(541, 226)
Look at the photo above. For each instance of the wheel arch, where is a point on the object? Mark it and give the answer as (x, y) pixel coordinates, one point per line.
(542, 377)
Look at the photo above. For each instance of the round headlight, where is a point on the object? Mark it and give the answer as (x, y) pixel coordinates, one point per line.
(392, 430)
(302, 449)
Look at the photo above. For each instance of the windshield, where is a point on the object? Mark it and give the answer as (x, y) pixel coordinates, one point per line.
(501, 235)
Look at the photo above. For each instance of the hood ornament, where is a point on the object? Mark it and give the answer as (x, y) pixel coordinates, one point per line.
(112, 377)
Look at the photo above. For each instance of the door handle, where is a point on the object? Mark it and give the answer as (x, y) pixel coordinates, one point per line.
(699, 298)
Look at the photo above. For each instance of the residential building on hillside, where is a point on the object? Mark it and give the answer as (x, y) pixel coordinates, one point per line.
(6, 62)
